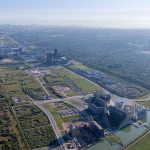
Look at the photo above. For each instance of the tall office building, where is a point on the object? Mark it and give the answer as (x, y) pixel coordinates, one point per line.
(55, 53)
(49, 58)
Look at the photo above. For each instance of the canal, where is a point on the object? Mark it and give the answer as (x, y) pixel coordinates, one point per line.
(126, 135)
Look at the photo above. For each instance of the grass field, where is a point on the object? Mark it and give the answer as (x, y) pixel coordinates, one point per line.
(16, 80)
(53, 81)
(55, 115)
(55, 112)
(35, 126)
(143, 144)
(10, 137)
(31, 122)
(80, 66)
(6, 40)
(30, 116)
(80, 82)
(145, 98)
(68, 119)
(145, 103)
(112, 139)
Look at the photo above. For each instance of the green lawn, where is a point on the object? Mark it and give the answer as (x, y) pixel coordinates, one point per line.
(82, 83)
(7, 40)
(143, 144)
(145, 103)
(113, 139)
(145, 97)
(80, 66)
(55, 115)
(144, 100)
(69, 118)
(53, 79)
(16, 80)
(55, 112)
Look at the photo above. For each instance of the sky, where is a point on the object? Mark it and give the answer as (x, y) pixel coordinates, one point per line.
(88, 13)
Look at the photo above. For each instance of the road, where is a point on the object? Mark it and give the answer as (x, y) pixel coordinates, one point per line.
(51, 119)
(53, 123)
(66, 100)
(42, 86)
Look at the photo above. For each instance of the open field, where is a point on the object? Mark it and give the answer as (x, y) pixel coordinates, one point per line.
(5, 40)
(80, 66)
(32, 123)
(70, 118)
(41, 137)
(35, 126)
(10, 136)
(30, 116)
(143, 144)
(144, 98)
(80, 83)
(57, 86)
(112, 139)
(11, 80)
(18, 84)
(31, 87)
(56, 109)
(55, 115)
(145, 103)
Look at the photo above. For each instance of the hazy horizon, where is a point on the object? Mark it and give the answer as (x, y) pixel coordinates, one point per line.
(87, 13)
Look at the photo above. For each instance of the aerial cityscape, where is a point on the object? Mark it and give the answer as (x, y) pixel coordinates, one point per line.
(68, 86)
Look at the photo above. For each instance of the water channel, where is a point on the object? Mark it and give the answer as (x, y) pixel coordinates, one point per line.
(126, 135)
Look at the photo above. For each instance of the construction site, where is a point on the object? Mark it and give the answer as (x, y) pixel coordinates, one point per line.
(84, 132)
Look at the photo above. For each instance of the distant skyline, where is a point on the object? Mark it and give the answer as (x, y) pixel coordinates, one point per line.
(89, 13)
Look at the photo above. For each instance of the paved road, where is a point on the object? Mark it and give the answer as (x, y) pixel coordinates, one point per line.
(53, 123)
(51, 119)
(68, 98)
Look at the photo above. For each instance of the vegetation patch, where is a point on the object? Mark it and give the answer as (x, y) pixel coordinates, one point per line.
(10, 137)
(78, 81)
(35, 126)
(143, 144)
(59, 108)
(112, 139)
